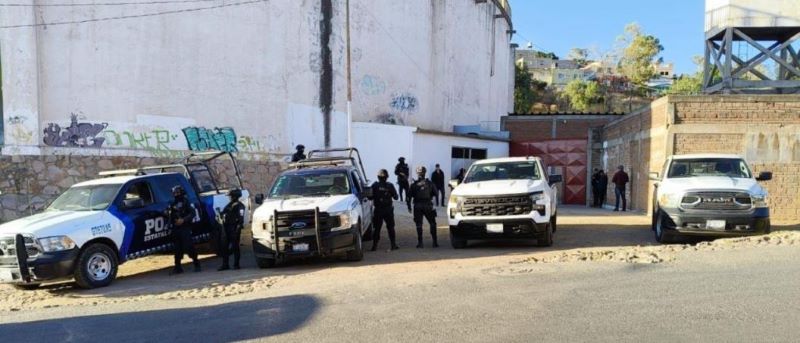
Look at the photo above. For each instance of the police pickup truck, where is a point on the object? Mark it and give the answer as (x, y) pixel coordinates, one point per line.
(709, 195)
(96, 225)
(318, 207)
(504, 198)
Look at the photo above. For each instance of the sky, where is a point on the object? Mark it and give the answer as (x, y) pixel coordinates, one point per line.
(561, 25)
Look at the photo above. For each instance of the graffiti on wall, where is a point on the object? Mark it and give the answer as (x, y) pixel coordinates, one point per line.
(372, 85)
(77, 134)
(17, 131)
(219, 138)
(404, 102)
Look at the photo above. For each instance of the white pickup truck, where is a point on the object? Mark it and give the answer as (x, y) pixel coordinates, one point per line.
(708, 195)
(318, 207)
(504, 198)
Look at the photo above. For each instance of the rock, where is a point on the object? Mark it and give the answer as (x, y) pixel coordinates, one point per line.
(66, 182)
(9, 201)
(51, 190)
(38, 166)
(105, 164)
(73, 172)
(55, 173)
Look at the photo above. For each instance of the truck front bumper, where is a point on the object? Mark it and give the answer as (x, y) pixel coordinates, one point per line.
(332, 242)
(695, 223)
(44, 267)
(512, 228)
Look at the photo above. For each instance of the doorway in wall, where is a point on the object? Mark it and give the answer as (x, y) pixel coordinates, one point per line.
(565, 156)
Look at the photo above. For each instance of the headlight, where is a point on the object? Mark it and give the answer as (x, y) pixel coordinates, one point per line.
(345, 220)
(538, 196)
(454, 205)
(56, 243)
(669, 200)
(759, 200)
(263, 228)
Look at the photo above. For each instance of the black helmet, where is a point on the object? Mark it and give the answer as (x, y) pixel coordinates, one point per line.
(178, 191)
(383, 173)
(422, 170)
(235, 193)
(401, 159)
(300, 147)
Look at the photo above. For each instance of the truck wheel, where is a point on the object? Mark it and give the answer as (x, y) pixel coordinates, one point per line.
(553, 222)
(546, 239)
(97, 266)
(457, 243)
(264, 263)
(356, 254)
(661, 236)
(28, 286)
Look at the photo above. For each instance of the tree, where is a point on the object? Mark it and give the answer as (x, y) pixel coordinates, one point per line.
(686, 85)
(582, 94)
(550, 55)
(639, 54)
(524, 95)
(579, 55)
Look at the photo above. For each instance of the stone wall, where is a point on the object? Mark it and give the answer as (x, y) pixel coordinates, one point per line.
(29, 183)
(765, 129)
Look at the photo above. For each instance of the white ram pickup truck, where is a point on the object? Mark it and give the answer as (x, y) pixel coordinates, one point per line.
(708, 195)
(504, 198)
(320, 206)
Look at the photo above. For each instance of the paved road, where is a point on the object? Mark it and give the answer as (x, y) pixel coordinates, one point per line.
(486, 293)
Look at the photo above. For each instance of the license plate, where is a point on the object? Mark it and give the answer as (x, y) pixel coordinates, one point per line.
(5, 276)
(302, 247)
(715, 225)
(494, 228)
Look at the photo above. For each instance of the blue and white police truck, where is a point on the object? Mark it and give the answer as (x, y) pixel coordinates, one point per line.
(95, 226)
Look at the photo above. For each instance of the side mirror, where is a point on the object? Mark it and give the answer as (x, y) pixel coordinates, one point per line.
(554, 179)
(367, 192)
(453, 184)
(654, 176)
(764, 176)
(259, 199)
(133, 203)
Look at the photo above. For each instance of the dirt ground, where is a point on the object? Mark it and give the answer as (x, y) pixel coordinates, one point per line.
(584, 235)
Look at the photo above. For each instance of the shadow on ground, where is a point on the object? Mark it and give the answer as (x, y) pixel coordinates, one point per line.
(246, 320)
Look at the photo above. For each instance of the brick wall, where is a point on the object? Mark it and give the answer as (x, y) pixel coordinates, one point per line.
(535, 128)
(29, 183)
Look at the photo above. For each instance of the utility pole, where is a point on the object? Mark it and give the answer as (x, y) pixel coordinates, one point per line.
(349, 77)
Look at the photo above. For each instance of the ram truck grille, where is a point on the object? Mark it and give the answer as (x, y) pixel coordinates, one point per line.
(716, 201)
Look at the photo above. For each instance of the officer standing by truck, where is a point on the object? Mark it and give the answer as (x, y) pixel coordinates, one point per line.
(401, 170)
(232, 223)
(422, 193)
(179, 214)
(383, 194)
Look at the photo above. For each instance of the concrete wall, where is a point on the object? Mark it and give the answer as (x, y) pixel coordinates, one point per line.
(761, 128)
(270, 71)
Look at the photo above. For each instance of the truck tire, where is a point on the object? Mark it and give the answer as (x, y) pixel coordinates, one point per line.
(96, 266)
(658, 226)
(546, 239)
(457, 243)
(554, 223)
(264, 263)
(357, 254)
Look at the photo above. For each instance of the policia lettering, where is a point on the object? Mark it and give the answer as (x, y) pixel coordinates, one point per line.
(383, 195)
(421, 193)
(180, 215)
(232, 223)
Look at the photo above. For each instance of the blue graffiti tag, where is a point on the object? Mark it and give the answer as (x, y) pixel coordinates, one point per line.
(202, 139)
(404, 103)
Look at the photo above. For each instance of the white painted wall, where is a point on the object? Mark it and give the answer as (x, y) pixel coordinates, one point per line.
(430, 149)
(255, 68)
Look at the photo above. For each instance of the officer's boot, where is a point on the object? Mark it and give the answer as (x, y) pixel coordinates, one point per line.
(419, 237)
(374, 245)
(433, 236)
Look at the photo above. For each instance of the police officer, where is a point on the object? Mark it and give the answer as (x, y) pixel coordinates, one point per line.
(401, 170)
(299, 155)
(232, 223)
(383, 193)
(422, 193)
(180, 214)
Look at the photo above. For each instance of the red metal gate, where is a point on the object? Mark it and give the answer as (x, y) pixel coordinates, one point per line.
(570, 155)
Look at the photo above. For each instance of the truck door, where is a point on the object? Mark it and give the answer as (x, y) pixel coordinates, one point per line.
(366, 204)
(204, 213)
(150, 230)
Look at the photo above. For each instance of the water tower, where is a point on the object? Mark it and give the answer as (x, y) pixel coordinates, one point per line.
(766, 29)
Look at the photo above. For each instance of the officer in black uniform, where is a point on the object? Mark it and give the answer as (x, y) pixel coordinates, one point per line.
(401, 170)
(383, 193)
(422, 193)
(180, 214)
(233, 223)
(299, 155)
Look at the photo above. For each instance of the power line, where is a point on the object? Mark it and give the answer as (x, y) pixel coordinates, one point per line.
(106, 3)
(154, 14)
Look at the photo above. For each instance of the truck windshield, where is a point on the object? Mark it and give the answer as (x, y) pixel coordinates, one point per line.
(86, 198)
(522, 170)
(311, 184)
(730, 167)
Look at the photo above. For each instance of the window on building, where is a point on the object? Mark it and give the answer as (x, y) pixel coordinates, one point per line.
(478, 154)
(468, 153)
(458, 152)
